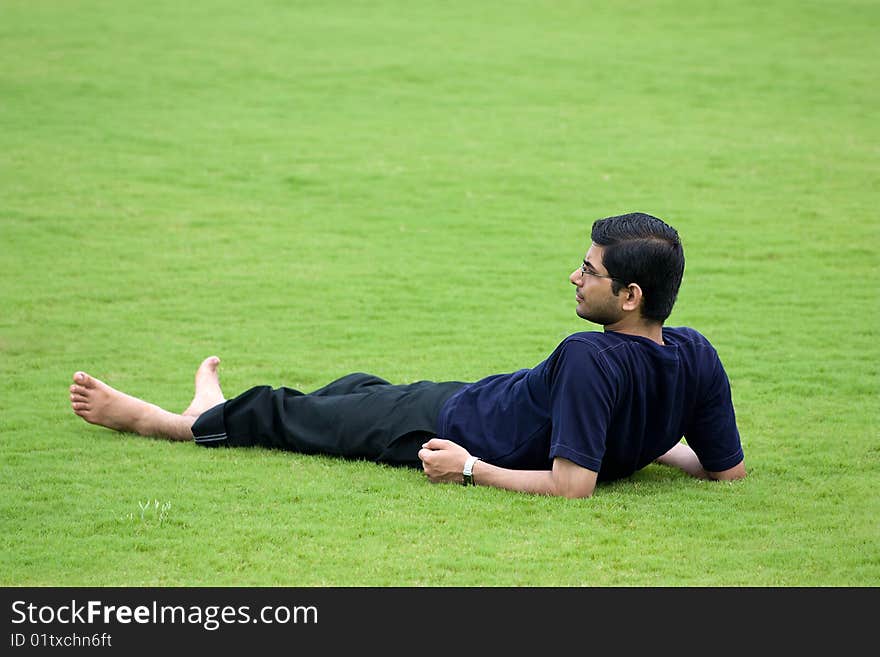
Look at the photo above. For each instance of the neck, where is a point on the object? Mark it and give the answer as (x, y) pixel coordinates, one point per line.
(632, 326)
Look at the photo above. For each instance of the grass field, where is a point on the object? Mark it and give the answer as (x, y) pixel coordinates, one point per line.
(308, 189)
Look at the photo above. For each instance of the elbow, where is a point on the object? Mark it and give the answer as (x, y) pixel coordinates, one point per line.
(736, 472)
(574, 492)
(570, 480)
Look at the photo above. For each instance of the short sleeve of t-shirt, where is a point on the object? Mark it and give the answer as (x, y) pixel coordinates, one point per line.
(713, 434)
(581, 401)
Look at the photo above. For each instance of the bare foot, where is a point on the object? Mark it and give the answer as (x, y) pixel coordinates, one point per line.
(96, 402)
(208, 392)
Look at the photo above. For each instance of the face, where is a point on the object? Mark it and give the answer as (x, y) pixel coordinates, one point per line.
(596, 302)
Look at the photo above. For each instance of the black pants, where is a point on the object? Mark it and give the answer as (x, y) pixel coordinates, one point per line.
(358, 416)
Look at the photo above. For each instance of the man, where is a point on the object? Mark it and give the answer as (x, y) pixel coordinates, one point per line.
(602, 406)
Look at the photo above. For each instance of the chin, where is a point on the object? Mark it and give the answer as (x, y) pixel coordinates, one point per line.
(600, 320)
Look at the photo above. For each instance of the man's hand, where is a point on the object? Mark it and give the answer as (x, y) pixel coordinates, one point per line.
(443, 461)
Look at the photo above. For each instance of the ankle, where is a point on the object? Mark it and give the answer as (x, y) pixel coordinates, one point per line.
(145, 419)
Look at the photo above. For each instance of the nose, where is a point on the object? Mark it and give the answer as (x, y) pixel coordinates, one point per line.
(575, 276)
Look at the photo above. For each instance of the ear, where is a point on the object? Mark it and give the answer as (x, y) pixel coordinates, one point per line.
(631, 297)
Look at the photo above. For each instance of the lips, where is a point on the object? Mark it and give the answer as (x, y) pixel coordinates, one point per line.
(578, 297)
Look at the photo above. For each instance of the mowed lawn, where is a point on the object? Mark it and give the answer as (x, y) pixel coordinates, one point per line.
(308, 189)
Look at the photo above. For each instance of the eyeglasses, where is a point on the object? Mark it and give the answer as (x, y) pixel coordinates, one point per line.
(589, 272)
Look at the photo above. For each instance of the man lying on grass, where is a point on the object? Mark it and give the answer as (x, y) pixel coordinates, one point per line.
(600, 407)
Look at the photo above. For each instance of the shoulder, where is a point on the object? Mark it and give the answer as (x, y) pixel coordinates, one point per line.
(589, 349)
(698, 354)
(590, 341)
(582, 362)
(686, 334)
(687, 338)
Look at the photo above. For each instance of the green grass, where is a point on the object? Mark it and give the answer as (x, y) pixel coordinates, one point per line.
(403, 188)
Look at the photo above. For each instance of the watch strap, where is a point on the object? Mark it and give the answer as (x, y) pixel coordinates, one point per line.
(468, 471)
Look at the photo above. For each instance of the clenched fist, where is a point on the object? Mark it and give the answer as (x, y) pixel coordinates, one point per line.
(443, 461)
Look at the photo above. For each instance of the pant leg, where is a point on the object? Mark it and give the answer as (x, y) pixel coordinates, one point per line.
(373, 420)
(357, 382)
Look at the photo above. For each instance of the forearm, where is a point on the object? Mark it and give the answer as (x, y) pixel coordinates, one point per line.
(443, 462)
(538, 482)
(566, 479)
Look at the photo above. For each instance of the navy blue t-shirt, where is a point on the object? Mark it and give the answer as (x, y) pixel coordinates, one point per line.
(610, 402)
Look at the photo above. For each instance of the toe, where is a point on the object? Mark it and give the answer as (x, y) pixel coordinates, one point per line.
(84, 380)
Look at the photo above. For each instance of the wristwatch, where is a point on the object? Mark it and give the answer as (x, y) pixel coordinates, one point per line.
(468, 472)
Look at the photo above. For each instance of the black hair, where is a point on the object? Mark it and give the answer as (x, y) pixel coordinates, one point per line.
(640, 248)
